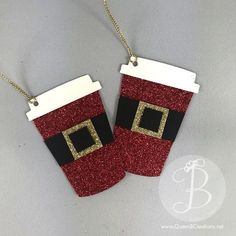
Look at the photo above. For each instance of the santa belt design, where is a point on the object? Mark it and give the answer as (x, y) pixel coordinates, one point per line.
(148, 119)
(81, 139)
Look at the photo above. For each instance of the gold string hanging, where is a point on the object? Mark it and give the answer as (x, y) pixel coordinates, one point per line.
(133, 57)
(30, 98)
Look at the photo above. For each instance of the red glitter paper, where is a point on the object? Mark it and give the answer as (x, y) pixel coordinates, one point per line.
(69, 115)
(154, 93)
(143, 154)
(96, 171)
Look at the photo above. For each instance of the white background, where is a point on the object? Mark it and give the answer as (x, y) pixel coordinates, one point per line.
(46, 43)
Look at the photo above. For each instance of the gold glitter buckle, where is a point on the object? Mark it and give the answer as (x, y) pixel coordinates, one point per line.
(97, 142)
(138, 116)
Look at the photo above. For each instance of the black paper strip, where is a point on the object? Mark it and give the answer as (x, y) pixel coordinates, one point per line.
(173, 123)
(81, 140)
(126, 112)
(103, 128)
(150, 120)
(59, 149)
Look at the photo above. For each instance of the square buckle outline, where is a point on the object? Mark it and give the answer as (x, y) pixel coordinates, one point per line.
(138, 116)
(87, 123)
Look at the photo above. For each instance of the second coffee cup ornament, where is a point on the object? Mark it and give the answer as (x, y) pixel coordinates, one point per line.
(153, 100)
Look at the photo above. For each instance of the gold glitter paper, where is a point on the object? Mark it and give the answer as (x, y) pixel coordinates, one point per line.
(93, 133)
(138, 117)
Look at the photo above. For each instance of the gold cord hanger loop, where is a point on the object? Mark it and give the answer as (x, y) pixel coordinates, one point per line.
(30, 98)
(132, 56)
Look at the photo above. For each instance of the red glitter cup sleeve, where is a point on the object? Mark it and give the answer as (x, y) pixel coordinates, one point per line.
(79, 136)
(150, 112)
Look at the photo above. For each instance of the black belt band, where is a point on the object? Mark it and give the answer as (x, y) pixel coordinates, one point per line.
(148, 119)
(81, 139)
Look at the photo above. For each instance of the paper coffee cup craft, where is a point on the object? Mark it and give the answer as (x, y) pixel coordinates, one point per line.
(153, 100)
(74, 125)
